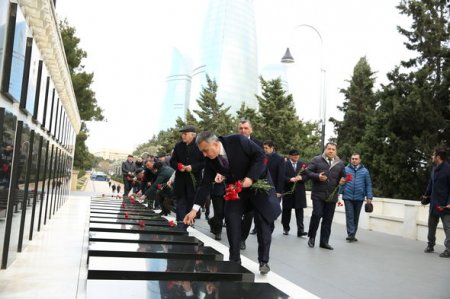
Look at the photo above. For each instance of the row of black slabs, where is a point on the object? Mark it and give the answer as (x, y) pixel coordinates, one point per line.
(135, 253)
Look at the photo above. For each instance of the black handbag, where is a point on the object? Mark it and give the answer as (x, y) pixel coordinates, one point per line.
(368, 207)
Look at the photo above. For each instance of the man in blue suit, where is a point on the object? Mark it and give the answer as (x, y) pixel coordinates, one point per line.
(438, 191)
(238, 158)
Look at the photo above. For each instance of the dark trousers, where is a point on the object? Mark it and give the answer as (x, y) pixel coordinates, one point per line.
(184, 206)
(127, 185)
(324, 210)
(288, 205)
(433, 221)
(352, 211)
(234, 209)
(216, 222)
(247, 220)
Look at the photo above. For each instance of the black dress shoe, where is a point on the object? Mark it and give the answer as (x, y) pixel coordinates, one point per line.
(301, 234)
(285, 232)
(243, 245)
(326, 246)
(264, 268)
(446, 253)
(218, 236)
(311, 242)
(429, 249)
(253, 231)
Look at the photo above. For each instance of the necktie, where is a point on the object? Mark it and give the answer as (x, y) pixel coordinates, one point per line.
(330, 161)
(224, 161)
(294, 165)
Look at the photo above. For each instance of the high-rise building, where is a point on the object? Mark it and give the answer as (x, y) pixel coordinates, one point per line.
(176, 100)
(228, 54)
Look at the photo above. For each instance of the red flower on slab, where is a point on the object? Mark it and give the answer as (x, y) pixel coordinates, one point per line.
(141, 223)
(172, 223)
(159, 186)
(180, 166)
(132, 201)
(126, 215)
(340, 204)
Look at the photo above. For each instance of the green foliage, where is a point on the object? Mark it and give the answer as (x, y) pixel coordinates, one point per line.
(278, 121)
(358, 107)
(85, 96)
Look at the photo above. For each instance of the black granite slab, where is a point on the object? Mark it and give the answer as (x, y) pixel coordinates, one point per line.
(143, 238)
(167, 251)
(156, 218)
(152, 289)
(166, 269)
(107, 227)
(128, 221)
(122, 212)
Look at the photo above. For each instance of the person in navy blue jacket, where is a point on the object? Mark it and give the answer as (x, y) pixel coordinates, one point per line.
(438, 191)
(238, 158)
(354, 192)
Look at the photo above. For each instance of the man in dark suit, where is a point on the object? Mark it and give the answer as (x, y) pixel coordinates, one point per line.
(276, 166)
(238, 159)
(439, 193)
(295, 195)
(326, 171)
(128, 169)
(188, 163)
(245, 129)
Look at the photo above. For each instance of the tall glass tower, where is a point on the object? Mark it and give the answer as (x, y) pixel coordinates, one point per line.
(228, 54)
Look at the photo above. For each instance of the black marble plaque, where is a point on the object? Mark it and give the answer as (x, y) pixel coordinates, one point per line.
(129, 221)
(143, 238)
(106, 227)
(152, 289)
(122, 212)
(166, 269)
(168, 251)
(155, 218)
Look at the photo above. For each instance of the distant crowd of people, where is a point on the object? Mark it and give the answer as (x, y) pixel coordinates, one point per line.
(247, 181)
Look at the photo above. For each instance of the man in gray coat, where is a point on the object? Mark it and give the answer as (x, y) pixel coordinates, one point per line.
(326, 171)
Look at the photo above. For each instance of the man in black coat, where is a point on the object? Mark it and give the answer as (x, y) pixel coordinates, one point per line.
(239, 159)
(295, 195)
(438, 191)
(188, 162)
(276, 166)
(326, 171)
(128, 170)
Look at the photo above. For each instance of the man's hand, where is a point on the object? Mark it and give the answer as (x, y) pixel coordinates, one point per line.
(219, 178)
(298, 178)
(369, 200)
(279, 195)
(322, 177)
(188, 168)
(189, 219)
(247, 182)
(342, 181)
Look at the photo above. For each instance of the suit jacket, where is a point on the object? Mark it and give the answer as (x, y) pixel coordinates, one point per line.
(299, 196)
(187, 154)
(246, 159)
(439, 188)
(322, 190)
(162, 176)
(276, 166)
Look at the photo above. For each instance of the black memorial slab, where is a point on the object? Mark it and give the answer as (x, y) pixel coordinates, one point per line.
(168, 251)
(122, 213)
(106, 227)
(166, 269)
(157, 218)
(129, 221)
(142, 238)
(151, 289)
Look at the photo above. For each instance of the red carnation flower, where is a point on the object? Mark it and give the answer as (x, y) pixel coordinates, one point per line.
(172, 223)
(439, 208)
(180, 166)
(159, 187)
(349, 177)
(141, 223)
(126, 215)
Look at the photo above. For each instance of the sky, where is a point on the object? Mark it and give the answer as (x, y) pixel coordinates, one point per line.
(129, 46)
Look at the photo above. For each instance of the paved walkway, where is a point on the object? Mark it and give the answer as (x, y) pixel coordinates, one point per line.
(53, 265)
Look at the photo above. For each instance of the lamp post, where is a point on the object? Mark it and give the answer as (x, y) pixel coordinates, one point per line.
(288, 58)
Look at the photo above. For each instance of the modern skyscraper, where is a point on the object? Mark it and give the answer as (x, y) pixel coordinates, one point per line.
(176, 100)
(228, 54)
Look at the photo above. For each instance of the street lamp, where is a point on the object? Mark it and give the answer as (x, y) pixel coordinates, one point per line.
(288, 58)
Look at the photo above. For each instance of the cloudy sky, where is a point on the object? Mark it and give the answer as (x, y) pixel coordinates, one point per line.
(129, 45)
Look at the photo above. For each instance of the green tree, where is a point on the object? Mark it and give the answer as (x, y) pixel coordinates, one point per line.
(413, 109)
(213, 116)
(358, 108)
(85, 96)
(280, 123)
